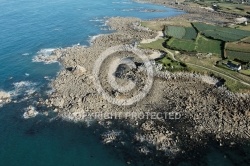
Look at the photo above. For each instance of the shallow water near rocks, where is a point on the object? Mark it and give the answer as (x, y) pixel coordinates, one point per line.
(29, 27)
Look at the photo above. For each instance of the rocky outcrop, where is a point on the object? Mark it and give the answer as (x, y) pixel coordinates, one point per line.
(4, 97)
(30, 112)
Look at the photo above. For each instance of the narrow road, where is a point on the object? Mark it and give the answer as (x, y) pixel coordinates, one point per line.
(170, 53)
(243, 82)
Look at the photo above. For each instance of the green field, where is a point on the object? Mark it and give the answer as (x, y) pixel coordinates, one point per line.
(175, 31)
(203, 27)
(240, 51)
(209, 40)
(224, 36)
(220, 33)
(181, 44)
(240, 47)
(246, 72)
(180, 32)
(238, 55)
(246, 40)
(202, 44)
(208, 45)
(172, 65)
(190, 34)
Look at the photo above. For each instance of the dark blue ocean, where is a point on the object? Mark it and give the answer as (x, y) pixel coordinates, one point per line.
(29, 27)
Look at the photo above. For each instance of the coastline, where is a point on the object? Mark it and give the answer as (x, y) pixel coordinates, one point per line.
(193, 10)
(206, 110)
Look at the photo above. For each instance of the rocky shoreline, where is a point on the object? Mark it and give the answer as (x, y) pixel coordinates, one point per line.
(196, 12)
(207, 111)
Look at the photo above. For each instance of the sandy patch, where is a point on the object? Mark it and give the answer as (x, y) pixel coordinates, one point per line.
(159, 36)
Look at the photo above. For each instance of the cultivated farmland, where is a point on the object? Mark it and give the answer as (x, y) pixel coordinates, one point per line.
(207, 38)
(240, 51)
(175, 31)
(190, 34)
(203, 27)
(208, 45)
(244, 56)
(181, 44)
(246, 40)
(202, 44)
(221, 33)
(240, 47)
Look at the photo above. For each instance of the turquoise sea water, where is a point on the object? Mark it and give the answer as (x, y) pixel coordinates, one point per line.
(28, 27)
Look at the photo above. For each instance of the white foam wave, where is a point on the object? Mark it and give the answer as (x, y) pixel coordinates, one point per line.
(57, 29)
(102, 20)
(24, 87)
(46, 51)
(101, 23)
(127, 10)
(25, 54)
(76, 45)
(123, 2)
(45, 55)
(46, 77)
(104, 25)
(93, 38)
(97, 20)
(104, 29)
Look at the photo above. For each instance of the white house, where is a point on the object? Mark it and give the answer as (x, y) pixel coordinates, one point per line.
(232, 66)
